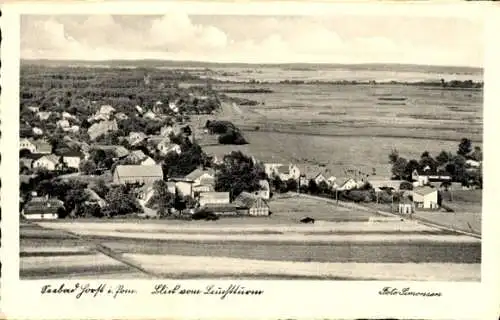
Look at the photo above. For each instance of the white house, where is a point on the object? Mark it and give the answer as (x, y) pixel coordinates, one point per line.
(134, 138)
(37, 131)
(332, 182)
(166, 147)
(348, 184)
(149, 115)
(425, 197)
(472, 163)
(319, 178)
(27, 144)
(67, 115)
(264, 191)
(63, 124)
(42, 208)
(49, 162)
(72, 158)
(173, 107)
(198, 180)
(271, 168)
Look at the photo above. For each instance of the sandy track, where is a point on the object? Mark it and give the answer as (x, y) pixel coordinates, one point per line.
(182, 266)
(218, 228)
(95, 260)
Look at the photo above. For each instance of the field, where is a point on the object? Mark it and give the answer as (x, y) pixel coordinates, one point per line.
(334, 127)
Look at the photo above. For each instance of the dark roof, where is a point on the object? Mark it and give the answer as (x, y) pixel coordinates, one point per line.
(71, 153)
(248, 200)
(227, 207)
(39, 205)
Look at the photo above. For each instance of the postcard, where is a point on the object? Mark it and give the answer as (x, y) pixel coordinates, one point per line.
(249, 160)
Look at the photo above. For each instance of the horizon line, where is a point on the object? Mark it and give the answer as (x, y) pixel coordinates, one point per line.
(477, 68)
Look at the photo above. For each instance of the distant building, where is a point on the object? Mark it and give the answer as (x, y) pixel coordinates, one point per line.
(119, 152)
(473, 163)
(149, 115)
(37, 131)
(255, 206)
(72, 158)
(348, 184)
(384, 183)
(67, 115)
(101, 128)
(265, 190)
(167, 147)
(35, 146)
(41, 208)
(137, 174)
(148, 161)
(43, 115)
(135, 138)
(121, 116)
(287, 172)
(214, 198)
(425, 198)
(424, 177)
(406, 207)
(199, 180)
(49, 162)
(106, 110)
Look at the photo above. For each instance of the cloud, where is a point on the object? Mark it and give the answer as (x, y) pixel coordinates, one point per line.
(237, 38)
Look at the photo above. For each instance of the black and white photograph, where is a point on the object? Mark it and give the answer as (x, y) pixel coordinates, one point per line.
(262, 147)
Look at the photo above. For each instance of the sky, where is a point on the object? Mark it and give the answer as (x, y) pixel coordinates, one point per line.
(337, 38)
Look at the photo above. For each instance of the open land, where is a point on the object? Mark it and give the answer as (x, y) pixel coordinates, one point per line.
(326, 126)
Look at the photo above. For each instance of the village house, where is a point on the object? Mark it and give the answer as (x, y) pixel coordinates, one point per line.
(423, 177)
(73, 129)
(119, 152)
(135, 138)
(72, 158)
(406, 207)
(287, 172)
(42, 115)
(265, 190)
(63, 124)
(166, 147)
(381, 183)
(33, 109)
(425, 198)
(472, 163)
(213, 198)
(198, 180)
(348, 184)
(101, 128)
(172, 106)
(49, 162)
(319, 178)
(35, 146)
(67, 115)
(37, 131)
(137, 174)
(121, 116)
(271, 169)
(41, 208)
(149, 115)
(106, 111)
(332, 182)
(255, 206)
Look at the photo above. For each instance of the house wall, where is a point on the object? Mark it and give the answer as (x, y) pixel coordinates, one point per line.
(26, 144)
(72, 162)
(132, 179)
(428, 201)
(319, 178)
(44, 163)
(184, 188)
(41, 216)
(206, 199)
(259, 211)
(294, 172)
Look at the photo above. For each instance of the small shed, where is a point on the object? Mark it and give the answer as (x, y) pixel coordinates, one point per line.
(406, 207)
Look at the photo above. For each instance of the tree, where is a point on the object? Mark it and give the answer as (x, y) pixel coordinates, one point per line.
(393, 156)
(405, 185)
(444, 157)
(477, 154)
(87, 167)
(162, 199)
(238, 173)
(121, 201)
(411, 166)
(323, 187)
(465, 147)
(291, 185)
(399, 167)
(313, 187)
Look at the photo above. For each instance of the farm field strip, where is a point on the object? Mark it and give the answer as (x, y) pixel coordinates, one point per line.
(172, 265)
(319, 226)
